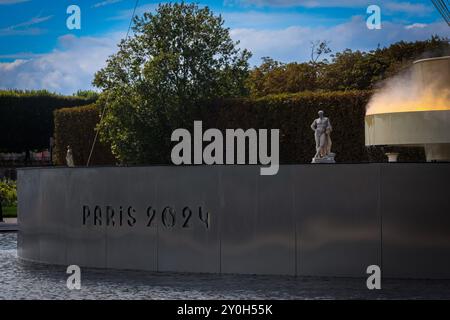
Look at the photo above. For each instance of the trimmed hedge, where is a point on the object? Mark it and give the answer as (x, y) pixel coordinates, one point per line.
(8, 193)
(76, 127)
(26, 118)
(291, 113)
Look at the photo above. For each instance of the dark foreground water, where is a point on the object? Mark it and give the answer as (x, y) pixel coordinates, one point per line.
(20, 280)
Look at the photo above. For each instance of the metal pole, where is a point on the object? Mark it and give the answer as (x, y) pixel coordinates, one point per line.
(106, 103)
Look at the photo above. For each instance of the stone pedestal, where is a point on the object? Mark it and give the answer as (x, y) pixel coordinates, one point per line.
(326, 159)
(392, 156)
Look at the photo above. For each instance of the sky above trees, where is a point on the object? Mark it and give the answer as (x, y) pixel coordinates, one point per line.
(38, 51)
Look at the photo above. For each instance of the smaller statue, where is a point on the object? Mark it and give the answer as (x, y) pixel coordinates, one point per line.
(69, 157)
(322, 134)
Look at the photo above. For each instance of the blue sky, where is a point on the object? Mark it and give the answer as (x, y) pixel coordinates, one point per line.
(37, 51)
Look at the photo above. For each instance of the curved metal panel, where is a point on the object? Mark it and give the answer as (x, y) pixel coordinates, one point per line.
(306, 220)
(337, 218)
(257, 225)
(186, 214)
(416, 220)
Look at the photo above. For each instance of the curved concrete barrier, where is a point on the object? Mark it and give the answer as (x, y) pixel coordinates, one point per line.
(306, 220)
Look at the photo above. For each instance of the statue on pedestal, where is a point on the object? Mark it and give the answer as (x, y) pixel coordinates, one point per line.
(322, 134)
(69, 157)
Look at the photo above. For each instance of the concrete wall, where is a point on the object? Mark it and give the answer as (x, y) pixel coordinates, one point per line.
(307, 220)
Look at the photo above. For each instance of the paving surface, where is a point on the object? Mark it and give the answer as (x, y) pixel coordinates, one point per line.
(9, 225)
(20, 280)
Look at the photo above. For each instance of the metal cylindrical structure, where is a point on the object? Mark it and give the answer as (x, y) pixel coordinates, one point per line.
(433, 70)
(428, 126)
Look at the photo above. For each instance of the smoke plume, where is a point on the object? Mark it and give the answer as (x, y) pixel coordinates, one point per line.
(423, 87)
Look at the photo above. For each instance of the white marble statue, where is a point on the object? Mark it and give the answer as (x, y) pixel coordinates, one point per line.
(69, 157)
(322, 134)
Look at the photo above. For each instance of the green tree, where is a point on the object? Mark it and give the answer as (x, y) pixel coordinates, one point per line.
(89, 94)
(273, 77)
(363, 70)
(347, 70)
(179, 57)
(319, 49)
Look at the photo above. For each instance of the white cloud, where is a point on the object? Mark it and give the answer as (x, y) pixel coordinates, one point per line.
(30, 22)
(12, 1)
(10, 66)
(390, 6)
(66, 69)
(272, 20)
(126, 14)
(300, 3)
(23, 27)
(21, 32)
(416, 25)
(418, 9)
(105, 3)
(293, 43)
(71, 66)
(20, 55)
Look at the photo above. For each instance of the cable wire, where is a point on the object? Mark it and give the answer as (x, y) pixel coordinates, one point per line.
(106, 102)
(443, 9)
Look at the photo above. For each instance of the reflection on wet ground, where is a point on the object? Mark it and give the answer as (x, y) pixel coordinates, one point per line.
(19, 280)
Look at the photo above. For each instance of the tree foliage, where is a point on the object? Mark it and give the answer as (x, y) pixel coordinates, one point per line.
(347, 70)
(8, 193)
(26, 118)
(178, 57)
(75, 127)
(292, 114)
(88, 94)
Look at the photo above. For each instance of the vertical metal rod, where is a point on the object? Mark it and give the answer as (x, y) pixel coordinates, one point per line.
(106, 104)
